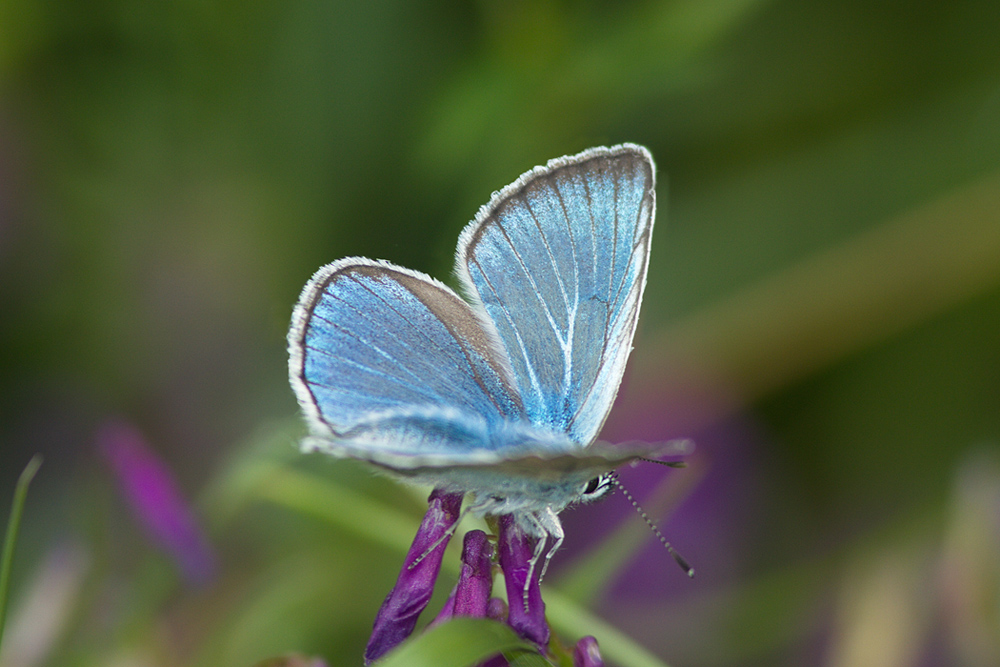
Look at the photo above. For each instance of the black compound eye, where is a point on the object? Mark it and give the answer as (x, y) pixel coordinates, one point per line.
(598, 487)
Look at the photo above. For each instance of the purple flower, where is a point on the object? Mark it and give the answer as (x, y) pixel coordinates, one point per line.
(472, 592)
(516, 551)
(471, 595)
(153, 495)
(586, 653)
(476, 580)
(399, 613)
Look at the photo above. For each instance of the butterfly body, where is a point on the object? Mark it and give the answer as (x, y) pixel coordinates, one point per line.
(501, 394)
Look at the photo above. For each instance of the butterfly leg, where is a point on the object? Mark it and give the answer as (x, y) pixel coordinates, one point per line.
(548, 520)
(444, 536)
(535, 527)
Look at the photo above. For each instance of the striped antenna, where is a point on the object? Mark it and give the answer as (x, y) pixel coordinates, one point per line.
(656, 531)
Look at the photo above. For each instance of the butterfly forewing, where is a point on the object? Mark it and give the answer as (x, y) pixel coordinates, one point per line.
(390, 359)
(558, 260)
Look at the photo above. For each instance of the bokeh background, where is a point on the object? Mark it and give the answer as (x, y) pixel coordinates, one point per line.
(822, 315)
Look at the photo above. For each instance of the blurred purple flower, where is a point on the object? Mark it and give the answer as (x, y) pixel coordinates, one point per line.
(709, 511)
(155, 499)
(706, 510)
(399, 613)
(586, 653)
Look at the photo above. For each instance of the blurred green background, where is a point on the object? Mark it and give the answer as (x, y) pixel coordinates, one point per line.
(822, 314)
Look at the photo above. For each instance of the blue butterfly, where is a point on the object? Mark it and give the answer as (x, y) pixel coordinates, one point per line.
(502, 394)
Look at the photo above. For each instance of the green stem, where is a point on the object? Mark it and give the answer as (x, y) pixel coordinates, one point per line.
(13, 525)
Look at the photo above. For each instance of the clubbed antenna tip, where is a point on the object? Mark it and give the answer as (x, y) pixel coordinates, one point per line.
(688, 570)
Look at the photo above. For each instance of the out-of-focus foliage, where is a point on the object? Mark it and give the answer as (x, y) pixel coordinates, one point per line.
(822, 314)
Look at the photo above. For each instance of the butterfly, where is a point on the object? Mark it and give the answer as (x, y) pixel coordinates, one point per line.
(501, 394)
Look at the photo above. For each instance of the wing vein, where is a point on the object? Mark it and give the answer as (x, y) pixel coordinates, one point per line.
(364, 341)
(555, 272)
(522, 348)
(534, 285)
(417, 388)
(574, 311)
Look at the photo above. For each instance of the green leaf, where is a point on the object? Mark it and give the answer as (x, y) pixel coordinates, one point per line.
(13, 525)
(460, 642)
(527, 659)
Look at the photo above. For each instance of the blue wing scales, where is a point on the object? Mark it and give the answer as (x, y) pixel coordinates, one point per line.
(558, 261)
(386, 359)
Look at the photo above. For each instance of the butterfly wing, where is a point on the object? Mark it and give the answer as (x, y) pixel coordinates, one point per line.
(558, 261)
(389, 364)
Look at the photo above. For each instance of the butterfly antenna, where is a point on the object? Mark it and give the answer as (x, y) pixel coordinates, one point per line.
(656, 531)
(444, 536)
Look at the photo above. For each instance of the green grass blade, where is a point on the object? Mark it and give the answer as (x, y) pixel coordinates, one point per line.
(13, 525)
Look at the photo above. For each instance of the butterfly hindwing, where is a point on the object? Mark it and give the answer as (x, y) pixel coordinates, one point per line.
(558, 261)
(387, 359)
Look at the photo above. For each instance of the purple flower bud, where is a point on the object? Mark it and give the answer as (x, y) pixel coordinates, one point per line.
(399, 613)
(476, 580)
(496, 609)
(157, 502)
(472, 592)
(516, 551)
(586, 653)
